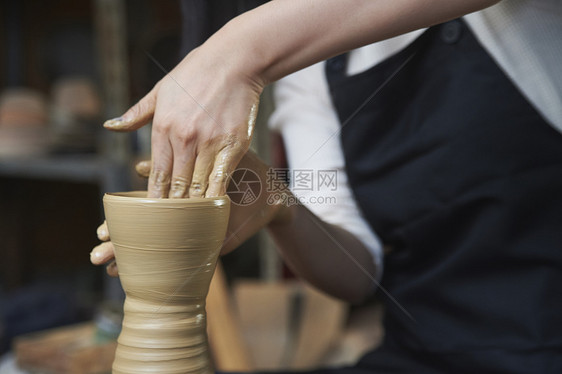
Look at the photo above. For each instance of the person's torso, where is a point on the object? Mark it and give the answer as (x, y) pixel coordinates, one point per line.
(463, 179)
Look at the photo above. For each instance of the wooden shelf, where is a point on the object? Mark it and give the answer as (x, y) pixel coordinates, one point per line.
(74, 168)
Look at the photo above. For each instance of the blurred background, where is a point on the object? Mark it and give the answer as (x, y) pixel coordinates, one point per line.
(66, 67)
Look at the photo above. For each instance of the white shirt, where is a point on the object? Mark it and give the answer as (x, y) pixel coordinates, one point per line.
(523, 37)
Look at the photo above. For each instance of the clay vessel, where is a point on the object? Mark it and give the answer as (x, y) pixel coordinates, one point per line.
(166, 252)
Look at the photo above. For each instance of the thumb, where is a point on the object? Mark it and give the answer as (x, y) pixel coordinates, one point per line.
(136, 117)
(143, 168)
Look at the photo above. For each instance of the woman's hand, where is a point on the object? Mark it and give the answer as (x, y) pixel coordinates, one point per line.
(203, 114)
(104, 252)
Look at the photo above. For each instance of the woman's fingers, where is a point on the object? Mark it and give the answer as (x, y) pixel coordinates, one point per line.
(112, 269)
(102, 253)
(184, 160)
(231, 153)
(143, 168)
(137, 116)
(102, 232)
(224, 165)
(198, 175)
(161, 173)
(201, 175)
(203, 166)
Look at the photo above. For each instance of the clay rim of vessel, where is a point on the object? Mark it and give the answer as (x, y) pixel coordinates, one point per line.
(140, 196)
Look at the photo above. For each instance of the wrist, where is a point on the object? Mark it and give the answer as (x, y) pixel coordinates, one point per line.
(234, 52)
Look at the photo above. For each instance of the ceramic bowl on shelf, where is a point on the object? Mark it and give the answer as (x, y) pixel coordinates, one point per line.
(23, 122)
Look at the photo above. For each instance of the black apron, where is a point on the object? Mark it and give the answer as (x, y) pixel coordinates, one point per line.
(461, 176)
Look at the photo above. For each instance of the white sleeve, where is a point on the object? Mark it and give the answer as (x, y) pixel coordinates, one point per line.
(310, 127)
(524, 38)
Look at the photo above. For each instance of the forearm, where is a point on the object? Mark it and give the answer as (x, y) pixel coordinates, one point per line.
(327, 256)
(281, 37)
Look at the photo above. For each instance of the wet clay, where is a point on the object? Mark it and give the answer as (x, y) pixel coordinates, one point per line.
(166, 252)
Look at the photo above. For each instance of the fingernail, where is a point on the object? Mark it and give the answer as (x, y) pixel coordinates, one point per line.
(95, 255)
(115, 123)
(144, 164)
(143, 168)
(102, 233)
